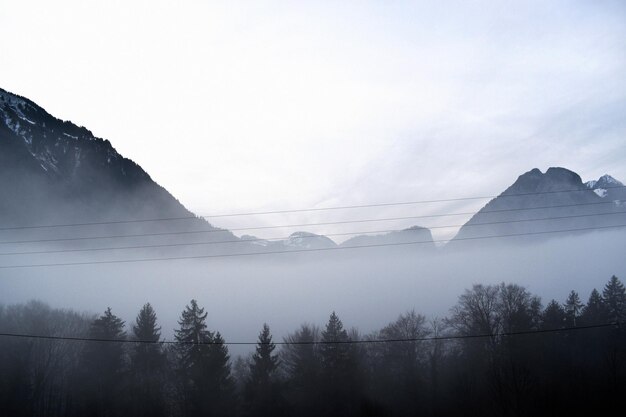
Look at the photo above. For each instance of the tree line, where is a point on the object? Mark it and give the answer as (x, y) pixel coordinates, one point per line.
(320, 371)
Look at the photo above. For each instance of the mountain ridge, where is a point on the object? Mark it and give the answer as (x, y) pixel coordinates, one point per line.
(56, 171)
(540, 202)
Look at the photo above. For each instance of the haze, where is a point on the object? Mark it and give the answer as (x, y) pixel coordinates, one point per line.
(238, 107)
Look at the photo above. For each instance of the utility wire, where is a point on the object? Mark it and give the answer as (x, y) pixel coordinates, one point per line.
(316, 342)
(185, 232)
(230, 255)
(166, 245)
(301, 210)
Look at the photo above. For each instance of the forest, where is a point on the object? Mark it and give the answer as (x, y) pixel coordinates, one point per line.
(500, 352)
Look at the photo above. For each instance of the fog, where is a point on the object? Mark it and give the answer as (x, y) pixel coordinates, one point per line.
(367, 287)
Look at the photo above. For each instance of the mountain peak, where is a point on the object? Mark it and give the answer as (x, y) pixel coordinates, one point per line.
(607, 180)
(607, 186)
(49, 160)
(539, 203)
(555, 178)
(563, 174)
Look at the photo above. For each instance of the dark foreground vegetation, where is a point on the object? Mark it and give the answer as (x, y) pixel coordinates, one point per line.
(579, 371)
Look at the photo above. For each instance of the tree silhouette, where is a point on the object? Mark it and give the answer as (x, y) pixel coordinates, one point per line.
(573, 308)
(338, 369)
(262, 389)
(102, 367)
(147, 366)
(615, 297)
(203, 365)
(595, 312)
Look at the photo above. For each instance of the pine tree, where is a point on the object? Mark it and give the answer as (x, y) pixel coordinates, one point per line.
(261, 391)
(334, 351)
(147, 366)
(102, 366)
(554, 316)
(221, 385)
(339, 368)
(203, 365)
(573, 307)
(192, 350)
(615, 298)
(264, 361)
(300, 359)
(147, 356)
(191, 336)
(595, 311)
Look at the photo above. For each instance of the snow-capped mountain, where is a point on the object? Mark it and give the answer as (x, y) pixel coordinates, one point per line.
(306, 240)
(55, 172)
(44, 158)
(297, 240)
(607, 187)
(538, 203)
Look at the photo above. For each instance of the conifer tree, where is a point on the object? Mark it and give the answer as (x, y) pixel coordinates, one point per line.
(203, 365)
(147, 366)
(264, 361)
(334, 351)
(573, 307)
(615, 298)
(300, 359)
(221, 387)
(146, 356)
(554, 316)
(339, 368)
(261, 391)
(191, 335)
(595, 311)
(192, 351)
(102, 366)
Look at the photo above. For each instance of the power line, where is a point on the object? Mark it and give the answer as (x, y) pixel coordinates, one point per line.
(230, 255)
(185, 232)
(300, 210)
(283, 238)
(315, 342)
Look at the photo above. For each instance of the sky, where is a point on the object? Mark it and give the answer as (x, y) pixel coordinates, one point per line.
(254, 106)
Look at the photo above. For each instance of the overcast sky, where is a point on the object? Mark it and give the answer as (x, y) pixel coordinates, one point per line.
(279, 105)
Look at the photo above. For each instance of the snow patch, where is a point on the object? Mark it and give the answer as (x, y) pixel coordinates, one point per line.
(601, 192)
(609, 180)
(26, 119)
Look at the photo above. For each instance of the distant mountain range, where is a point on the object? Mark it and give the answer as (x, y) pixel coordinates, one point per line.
(548, 202)
(306, 240)
(55, 172)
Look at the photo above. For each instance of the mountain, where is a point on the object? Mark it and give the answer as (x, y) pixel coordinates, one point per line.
(306, 240)
(608, 188)
(412, 234)
(55, 172)
(69, 168)
(297, 240)
(538, 203)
